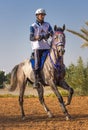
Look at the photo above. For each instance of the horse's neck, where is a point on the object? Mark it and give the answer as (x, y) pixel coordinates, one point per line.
(55, 56)
(61, 61)
(53, 59)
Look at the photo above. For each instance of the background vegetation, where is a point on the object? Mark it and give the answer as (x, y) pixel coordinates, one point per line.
(76, 76)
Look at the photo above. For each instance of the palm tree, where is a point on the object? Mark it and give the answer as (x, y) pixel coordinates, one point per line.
(83, 35)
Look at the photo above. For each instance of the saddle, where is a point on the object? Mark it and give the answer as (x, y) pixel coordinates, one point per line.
(42, 60)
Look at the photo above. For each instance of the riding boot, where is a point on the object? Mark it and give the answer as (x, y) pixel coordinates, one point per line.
(37, 78)
(36, 68)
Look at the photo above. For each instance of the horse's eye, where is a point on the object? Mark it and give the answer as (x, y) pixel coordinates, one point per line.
(55, 37)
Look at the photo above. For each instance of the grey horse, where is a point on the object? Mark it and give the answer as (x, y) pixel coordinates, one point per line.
(52, 74)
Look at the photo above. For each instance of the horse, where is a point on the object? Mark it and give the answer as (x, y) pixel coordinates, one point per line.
(52, 74)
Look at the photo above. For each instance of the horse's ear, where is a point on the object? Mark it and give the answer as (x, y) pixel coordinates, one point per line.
(63, 27)
(55, 27)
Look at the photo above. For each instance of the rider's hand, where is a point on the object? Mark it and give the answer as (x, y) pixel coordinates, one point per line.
(46, 36)
(40, 37)
(37, 37)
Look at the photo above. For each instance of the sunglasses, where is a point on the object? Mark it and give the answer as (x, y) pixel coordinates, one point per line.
(42, 14)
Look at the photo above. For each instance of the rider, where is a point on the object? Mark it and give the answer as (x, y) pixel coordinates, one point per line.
(40, 31)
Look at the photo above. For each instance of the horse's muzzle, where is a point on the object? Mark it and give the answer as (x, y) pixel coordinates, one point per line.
(61, 51)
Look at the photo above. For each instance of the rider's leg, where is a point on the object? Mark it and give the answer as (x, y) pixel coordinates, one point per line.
(37, 69)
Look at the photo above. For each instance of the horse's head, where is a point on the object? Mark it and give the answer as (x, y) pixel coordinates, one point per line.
(59, 39)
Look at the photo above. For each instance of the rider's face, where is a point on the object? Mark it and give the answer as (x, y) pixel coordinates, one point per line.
(40, 17)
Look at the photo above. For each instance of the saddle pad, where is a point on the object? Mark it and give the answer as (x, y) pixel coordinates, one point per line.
(42, 60)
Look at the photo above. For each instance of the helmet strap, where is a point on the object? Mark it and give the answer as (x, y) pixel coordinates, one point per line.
(40, 21)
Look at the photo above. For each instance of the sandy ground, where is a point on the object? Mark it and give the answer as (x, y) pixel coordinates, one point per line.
(36, 117)
(28, 91)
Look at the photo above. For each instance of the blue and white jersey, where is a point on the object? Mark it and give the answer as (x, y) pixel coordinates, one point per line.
(38, 29)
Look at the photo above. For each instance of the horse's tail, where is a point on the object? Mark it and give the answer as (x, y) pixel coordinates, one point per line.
(13, 81)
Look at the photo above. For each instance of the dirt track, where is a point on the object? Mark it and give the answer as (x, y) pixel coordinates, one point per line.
(36, 118)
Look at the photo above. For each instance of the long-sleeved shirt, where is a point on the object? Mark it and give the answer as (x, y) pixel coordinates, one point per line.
(40, 29)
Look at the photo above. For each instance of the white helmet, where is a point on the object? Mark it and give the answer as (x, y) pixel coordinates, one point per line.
(40, 11)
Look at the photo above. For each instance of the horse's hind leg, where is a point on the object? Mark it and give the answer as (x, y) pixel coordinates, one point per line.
(22, 89)
(40, 91)
(64, 85)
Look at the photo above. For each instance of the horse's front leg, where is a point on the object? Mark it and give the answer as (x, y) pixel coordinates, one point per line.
(64, 85)
(40, 91)
(57, 93)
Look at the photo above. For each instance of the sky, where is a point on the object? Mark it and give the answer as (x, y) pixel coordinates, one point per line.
(16, 16)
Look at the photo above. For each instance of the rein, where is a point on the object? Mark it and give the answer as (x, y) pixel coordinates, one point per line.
(58, 40)
(57, 65)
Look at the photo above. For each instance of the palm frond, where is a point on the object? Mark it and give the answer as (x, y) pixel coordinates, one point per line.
(84, 31)
(84, 45)
(83, 34)
(78, 34)
(86, 23)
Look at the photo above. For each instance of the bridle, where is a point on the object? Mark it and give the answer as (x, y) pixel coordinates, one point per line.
(59, 38)
(59, 42)
(58, 49)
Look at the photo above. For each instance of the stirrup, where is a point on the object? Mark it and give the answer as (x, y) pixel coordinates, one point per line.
(36, 84)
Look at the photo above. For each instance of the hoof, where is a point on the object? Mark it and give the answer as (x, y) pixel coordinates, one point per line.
(66, 104)
(68, 118)
(23, 118)
(50, 114)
